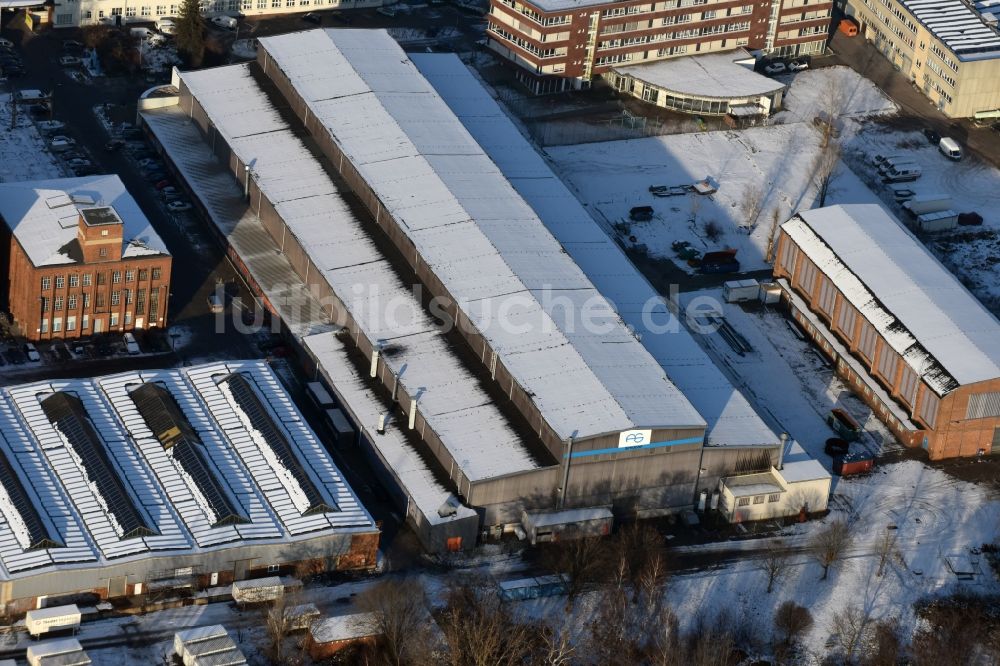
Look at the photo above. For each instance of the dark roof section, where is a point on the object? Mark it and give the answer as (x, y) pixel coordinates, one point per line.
(37, 531)
(68, 414)
(168, 424)
(98, 217)
(246, 397)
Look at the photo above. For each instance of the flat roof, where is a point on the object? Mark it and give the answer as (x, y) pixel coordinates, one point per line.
(473, 429)
(731, 420)
(78, 511)
(958, 25)
(414, 474)
(921, 309)
(714, 75)
(563, 5)
(344, 627)
(482, 240)
(43, 215)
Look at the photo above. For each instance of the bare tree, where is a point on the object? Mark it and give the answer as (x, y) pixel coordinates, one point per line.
(558, 647)
(887, 644)
(775, 565)
(479, 629)
(851, 626)
(401, 619)
(664, 646)
(791, 621)
(277, 624)
(828, 545)
(712, 643)
(772, 235)
(825, 168)
(581, 560)
(610, 640)
(883, 549)
(751, 204)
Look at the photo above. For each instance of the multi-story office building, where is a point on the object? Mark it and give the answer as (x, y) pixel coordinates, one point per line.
(564, 44)
(946, 47)
(904, 333)
(74, 13)
(82, 259)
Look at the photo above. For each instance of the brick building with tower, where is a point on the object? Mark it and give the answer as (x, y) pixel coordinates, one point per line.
(563, 44)
(81, 258)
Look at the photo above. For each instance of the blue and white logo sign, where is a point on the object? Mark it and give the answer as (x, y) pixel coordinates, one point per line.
(635, 438)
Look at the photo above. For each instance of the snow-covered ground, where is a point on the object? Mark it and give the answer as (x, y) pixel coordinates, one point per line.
(775, 164)
(837, 89)
(23, 152)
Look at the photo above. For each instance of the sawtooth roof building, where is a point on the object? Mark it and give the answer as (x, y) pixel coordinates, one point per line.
(909, 337)
(520, 399)
(119, 485)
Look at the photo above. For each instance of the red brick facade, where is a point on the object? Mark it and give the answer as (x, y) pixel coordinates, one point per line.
(943, 425)
(565, 48)
(99, 291)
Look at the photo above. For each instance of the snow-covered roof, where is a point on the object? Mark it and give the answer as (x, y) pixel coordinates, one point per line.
(486, 245)
(713, 75)
(414, 474)
(958, 25)
(562, 5)
(731, 420)
(465, 418)
(799, 467)
(43, 217)
(344, 627)
(921, 309)
(79, 512)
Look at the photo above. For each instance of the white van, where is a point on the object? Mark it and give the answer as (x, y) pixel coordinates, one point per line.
(902, 173)
(950, 148)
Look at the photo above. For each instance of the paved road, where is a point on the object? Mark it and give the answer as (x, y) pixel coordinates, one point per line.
(918, 110)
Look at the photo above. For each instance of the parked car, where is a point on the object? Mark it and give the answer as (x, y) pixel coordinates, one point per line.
(775, 68)
(65, 139)
(170, 193)
(226, 22)
(155, 176)
(162, 184)
(312, 17)
(79, 162)
(6, 43)
(61, 144)
(39, 110)
(69, 61)
(88, 170)
(932, 136)
(950, 148)
(50, 126)
(72, 45)
(131, 346)
(178, 206)
(147, 162)
(797, 65)
(32, 352)
(114, 145)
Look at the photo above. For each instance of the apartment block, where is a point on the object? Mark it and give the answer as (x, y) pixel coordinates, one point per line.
(948, 48)
(563, 44)
(902, 331)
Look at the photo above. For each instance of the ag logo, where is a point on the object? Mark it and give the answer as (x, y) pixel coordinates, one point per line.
(634, 438)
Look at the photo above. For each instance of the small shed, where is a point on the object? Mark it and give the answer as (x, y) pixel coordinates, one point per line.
(57, 618)
(62, 652)
(258, 590)
(799, 484)
(329, 635)
(567, 524)
(532, 588)
(302, 616)
(196, 635)
(941, 220)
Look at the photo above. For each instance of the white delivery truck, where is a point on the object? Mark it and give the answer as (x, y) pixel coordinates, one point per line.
(57, 618)
(927, 203)
(738, 291)
(950, 148)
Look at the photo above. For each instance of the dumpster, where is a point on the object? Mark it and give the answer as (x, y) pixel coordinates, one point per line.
(843, 424)
(852, 464)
